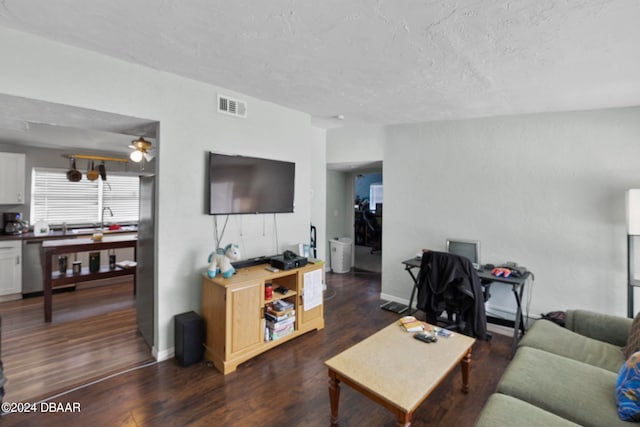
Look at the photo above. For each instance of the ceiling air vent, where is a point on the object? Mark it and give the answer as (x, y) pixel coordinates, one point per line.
(231, 106)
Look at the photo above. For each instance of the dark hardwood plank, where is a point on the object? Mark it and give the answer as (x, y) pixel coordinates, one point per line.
(93, 334)
(286, 386)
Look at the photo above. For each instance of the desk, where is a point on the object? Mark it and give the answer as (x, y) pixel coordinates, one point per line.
(55, 247)
(517, 287)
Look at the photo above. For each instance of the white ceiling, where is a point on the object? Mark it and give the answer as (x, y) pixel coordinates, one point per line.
(378, 62)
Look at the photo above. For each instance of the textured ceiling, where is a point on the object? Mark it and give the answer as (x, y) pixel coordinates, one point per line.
(378, 62)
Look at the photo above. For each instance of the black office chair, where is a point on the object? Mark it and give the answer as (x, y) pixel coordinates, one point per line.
(448, 282)
(373, 231)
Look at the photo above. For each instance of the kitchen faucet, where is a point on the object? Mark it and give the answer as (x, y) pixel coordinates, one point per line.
(102, 217)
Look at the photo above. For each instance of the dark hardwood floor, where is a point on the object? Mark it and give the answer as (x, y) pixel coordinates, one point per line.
(286, 386)
(93, 333)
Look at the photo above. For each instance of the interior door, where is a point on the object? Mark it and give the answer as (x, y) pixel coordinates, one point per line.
(145, 258)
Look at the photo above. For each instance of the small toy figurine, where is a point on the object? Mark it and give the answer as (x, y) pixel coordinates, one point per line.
(220, 261)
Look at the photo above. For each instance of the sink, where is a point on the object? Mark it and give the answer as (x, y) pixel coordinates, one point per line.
(83, 230)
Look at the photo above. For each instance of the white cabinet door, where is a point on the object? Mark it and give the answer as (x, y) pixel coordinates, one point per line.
(12, 169)
(10, 268)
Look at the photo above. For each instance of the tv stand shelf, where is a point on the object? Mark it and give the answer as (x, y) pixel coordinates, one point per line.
(233, 311)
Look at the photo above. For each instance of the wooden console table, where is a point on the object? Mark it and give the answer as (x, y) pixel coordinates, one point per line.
(233, 311)
(53, 278)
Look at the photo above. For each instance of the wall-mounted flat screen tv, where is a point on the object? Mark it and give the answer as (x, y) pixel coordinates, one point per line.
(249, 185)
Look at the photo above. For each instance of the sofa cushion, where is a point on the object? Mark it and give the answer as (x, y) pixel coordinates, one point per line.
(628, 389)
(548, 336)
(503, 410)
(599, 326)
(633, 342)
(570, 389)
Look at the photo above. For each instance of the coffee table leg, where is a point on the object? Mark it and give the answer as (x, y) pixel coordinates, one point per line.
(465, 364)
(404, 420)
(334, 396)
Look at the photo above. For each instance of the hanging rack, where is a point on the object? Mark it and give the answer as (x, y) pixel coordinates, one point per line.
(106, 159)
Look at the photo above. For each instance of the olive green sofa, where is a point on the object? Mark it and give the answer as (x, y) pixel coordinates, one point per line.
(562, 376)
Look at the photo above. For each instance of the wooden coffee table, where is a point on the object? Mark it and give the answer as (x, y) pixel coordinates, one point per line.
(396, 370)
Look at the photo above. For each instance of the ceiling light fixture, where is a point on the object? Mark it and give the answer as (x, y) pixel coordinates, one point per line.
(141, 149)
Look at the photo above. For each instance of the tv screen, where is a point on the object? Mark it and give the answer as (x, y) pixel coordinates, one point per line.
(249, 185)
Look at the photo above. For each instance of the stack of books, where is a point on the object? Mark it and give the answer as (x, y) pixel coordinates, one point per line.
(411, 324)
(280, 320)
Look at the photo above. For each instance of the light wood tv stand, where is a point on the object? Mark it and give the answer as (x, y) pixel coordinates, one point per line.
(233, 312)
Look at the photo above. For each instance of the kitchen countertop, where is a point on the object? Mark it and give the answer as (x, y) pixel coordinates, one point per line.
(87, 241)
(70, 234)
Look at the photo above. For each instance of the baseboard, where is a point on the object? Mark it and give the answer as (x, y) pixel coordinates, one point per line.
(498, 329)
(10, 297)
(393, 298)
(509, 314)
(164, 354)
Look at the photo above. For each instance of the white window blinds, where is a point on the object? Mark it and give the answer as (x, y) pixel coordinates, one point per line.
(57, 200)
(120, 193)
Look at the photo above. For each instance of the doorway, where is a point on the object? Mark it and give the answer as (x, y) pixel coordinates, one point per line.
(95, 331)
(367, 232)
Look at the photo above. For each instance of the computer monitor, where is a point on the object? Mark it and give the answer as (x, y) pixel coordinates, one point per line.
(466, 248)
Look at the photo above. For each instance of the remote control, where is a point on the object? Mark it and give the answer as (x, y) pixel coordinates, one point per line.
(272, 269)
(424, 337)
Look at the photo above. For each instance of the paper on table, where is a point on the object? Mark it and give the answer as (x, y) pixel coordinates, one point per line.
(126, 264)
(312, 289)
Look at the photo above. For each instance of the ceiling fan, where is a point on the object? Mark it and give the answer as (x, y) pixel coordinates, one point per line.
(141, 150)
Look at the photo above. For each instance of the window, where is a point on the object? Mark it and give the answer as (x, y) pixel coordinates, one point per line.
(375, 195)
(56, 200)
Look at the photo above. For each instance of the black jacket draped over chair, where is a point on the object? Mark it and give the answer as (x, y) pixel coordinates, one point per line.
(449, 282)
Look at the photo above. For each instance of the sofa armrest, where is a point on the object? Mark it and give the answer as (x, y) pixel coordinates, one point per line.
(602, 327)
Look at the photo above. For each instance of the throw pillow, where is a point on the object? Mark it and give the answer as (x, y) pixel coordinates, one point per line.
(633, 341)
(628, 389)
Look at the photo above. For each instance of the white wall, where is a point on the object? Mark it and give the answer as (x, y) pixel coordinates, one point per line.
(189, 127)
(319, 190)
(355, 144)
(544, 190)
(338, 210)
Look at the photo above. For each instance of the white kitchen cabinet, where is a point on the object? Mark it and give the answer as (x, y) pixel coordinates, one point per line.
(10, 270)
(12, 169)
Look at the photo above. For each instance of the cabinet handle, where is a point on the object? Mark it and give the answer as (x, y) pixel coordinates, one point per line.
(18, 260)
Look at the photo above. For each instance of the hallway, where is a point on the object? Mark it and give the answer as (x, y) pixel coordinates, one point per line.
(367, 261)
